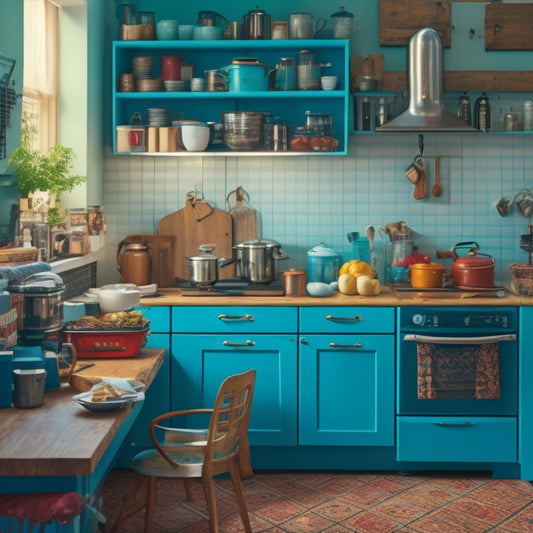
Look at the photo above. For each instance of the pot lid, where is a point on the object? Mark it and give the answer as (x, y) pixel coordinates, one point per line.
(293, 272)
(259, 243)
(257, 11)
(135, 246)
(473, 260)
(323, 250)
(40, 283)
(343, 13)
(206, 254)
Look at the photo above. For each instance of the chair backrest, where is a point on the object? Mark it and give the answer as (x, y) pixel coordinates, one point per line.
(231, 414)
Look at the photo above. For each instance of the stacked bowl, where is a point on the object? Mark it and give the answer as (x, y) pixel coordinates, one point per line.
(242, 129)
(194, 136)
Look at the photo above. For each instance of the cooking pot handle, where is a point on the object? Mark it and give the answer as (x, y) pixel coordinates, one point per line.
(120, 252)
(470, 246)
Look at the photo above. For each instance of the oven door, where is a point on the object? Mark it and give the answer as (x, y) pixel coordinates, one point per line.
(457, 375)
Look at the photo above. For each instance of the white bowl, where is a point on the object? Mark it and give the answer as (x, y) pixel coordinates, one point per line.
(113, 300)
(328, 83)
(195, 137)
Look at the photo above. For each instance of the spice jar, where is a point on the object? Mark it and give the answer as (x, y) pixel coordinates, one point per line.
(294, 282)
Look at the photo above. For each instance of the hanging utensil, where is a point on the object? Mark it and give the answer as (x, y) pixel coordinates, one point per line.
(420, 192)
(437, 188)
(370, 232)
(245, 226)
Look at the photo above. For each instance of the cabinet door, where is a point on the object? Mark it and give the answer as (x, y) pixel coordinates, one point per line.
(157, 400)
(201, 362)
(346, 390)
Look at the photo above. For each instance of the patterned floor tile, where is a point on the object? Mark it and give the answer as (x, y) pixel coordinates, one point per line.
(308, 523)
(336, 510)
(368, 522)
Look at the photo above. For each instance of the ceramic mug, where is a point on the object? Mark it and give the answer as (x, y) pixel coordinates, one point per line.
(168, 30)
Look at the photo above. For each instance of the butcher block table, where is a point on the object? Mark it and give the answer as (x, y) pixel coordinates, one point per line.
(61, 446)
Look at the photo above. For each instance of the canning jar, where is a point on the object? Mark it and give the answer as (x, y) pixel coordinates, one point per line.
(308, 71)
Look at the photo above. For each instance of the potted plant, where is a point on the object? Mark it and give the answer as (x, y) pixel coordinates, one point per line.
(50, 173)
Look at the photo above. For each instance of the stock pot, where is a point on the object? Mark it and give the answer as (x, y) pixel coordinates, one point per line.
(473, 270)
(257, 261)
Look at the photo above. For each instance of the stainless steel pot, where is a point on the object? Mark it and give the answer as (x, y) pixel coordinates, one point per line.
(203, 268)
(40, 304)
(257, 261)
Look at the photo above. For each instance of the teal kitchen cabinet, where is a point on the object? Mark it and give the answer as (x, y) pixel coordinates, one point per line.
(211, 343)
(157, 399)
(346, 376)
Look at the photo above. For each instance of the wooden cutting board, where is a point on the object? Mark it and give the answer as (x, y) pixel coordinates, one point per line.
(244, 217)
(196, 224)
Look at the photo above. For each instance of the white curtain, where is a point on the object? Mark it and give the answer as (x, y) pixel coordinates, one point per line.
(41, 70)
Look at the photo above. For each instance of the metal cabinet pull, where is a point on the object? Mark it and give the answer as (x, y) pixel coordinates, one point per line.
(355, 318)
(461, 340)
(455, 424)
(235, 318)
(239, 345)
(335, 345)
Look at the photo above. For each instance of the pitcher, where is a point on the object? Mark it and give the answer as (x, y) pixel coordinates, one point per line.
(301, 26)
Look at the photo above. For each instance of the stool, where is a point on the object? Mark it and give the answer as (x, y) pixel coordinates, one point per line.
(40, 509)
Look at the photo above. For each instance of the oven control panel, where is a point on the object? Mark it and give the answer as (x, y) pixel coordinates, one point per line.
(465, 318)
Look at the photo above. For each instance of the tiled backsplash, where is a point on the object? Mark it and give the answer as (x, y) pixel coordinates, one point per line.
(307, 200)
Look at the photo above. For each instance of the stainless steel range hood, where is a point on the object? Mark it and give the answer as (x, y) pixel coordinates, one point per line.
(426, 105)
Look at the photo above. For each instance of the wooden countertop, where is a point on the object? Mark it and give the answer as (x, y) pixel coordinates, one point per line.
(61, 438)
(388, 297)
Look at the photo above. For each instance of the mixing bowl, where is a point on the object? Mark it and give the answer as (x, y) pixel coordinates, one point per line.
(242, 129)
(195, 136)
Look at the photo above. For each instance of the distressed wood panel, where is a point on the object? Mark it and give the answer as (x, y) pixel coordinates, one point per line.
(463, 80)
(509, 27)
(400, 19)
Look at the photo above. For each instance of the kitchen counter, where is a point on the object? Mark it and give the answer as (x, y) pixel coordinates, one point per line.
(388, 297)
(61, 438)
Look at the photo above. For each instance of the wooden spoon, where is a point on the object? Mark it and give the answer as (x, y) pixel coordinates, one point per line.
(437, 189)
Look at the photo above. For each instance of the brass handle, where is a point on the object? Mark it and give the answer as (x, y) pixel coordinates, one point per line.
(355, 318)
(355, 345)
(235, 318)
(239, 345)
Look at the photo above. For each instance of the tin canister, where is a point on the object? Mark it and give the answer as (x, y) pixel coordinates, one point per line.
(216, 80)
(294, 282)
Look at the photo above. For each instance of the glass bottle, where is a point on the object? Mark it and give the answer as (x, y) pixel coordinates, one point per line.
(465, 111)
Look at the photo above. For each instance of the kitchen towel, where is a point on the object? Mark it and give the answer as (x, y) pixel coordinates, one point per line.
(458, 371)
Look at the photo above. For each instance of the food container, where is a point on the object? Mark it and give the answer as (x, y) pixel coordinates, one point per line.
(294, 282)
(323, 264)
(474, 270)
(106, 343)
(427, 275)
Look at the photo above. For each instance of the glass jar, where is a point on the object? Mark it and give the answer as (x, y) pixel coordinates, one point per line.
(285, 74)
(402, 247)
(343, 24)
(308, 71)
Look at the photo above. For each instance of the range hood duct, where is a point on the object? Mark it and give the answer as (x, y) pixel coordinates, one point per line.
(426, 105)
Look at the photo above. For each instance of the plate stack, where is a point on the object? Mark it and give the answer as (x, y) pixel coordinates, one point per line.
(177, 85)
(158, 117)
(143, 67)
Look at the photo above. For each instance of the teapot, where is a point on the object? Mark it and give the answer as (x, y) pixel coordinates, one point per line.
(248, 74)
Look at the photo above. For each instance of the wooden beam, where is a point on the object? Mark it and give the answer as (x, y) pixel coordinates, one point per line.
(509, 27)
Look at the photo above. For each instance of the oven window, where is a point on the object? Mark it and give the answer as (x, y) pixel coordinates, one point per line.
(458, 371)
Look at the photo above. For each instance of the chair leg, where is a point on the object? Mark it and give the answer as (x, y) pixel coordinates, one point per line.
(125, 509)
(150, 504)
(237, 486)
(209, 489)
(188, 493)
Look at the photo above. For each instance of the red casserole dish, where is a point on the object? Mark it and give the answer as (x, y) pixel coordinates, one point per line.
(106, 343)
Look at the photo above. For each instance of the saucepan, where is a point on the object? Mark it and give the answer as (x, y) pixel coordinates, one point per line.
(203, 268)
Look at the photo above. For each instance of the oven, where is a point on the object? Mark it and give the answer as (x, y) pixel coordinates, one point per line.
(457, 361)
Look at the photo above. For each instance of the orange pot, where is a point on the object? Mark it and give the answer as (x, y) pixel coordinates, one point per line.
(427, 275)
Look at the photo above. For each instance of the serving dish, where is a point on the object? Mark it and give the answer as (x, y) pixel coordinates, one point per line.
(112, 405)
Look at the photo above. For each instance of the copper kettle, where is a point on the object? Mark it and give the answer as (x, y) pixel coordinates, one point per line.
(134, 263)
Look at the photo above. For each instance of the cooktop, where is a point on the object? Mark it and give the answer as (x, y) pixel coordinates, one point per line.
(231, 287)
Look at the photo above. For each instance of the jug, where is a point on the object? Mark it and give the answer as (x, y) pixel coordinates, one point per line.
(134, 263)
(323, 264)
(301, 26)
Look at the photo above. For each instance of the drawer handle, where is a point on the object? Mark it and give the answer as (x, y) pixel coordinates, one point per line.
(238, 345)
(335, 345)
(235, 318)
(455, 424)
(355, 318)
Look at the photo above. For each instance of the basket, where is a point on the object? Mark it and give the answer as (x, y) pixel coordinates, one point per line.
(522, 278)
(8, 329)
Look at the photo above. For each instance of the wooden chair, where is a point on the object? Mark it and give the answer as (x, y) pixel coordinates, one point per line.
(184, 453)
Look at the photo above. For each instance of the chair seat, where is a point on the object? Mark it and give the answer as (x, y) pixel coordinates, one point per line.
(151, 463)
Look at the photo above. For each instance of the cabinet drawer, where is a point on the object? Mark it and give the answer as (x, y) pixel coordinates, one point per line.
(159, 318)
(457, 439)
(234, 319)
(347, 320)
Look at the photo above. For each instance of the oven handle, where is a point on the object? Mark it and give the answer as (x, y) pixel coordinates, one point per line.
(461, 340)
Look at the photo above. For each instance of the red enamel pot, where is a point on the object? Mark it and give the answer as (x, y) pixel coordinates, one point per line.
(474, 270)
